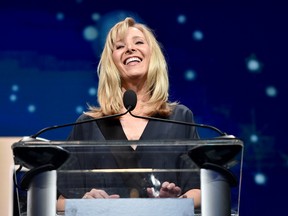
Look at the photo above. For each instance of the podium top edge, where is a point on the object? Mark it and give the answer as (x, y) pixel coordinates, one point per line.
(191, 142)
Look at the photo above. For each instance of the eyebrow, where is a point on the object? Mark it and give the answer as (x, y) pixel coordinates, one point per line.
(134, 37)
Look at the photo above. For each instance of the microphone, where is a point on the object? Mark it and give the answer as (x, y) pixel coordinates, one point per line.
(130, 104)
(130, 97)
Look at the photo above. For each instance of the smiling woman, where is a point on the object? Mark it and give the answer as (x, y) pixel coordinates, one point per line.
(133, 60)
(131, 55)
(225, 62)
(150, 77)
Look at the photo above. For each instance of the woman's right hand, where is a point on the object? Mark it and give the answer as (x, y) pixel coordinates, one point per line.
(99, 194)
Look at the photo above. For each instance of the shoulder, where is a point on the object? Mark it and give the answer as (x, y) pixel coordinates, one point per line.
(85, 129)
(181, 109)
(181, 112)
(84, 117)
(87, 122)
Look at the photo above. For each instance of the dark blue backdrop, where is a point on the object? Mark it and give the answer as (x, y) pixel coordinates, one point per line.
(227, 62)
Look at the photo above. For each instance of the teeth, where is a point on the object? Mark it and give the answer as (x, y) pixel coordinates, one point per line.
(132, 59)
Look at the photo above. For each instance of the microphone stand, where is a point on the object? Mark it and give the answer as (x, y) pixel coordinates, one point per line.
(76, 123)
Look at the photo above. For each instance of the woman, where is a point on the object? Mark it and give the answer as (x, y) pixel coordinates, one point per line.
(132, 59)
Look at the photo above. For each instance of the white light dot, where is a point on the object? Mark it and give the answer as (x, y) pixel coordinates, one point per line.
(60, 16)
(15, 88)
(260, 179)
(198, 35)
(253, 65)
(13, 97)
(92, 91)
(95, 16)
(90, 33)
(190, 75)
(254, 138)
(181, 19)
(271, 91)
(31, 108)
(79, 109)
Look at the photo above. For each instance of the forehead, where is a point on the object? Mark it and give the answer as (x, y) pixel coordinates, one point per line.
(130, 33)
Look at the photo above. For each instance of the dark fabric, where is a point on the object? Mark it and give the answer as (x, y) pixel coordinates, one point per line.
(135, 181)
(155, 130)
(126, 157)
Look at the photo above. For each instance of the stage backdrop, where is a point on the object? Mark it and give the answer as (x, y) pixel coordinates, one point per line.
(227, 62)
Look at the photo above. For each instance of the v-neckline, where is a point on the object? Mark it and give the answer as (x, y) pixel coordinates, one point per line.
(113, 130)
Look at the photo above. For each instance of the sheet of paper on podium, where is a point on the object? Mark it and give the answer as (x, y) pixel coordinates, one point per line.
(130, 206)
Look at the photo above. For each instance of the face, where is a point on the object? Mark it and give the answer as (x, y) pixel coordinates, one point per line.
(131, 55)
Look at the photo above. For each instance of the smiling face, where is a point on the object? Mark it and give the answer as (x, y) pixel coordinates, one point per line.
(131, 55)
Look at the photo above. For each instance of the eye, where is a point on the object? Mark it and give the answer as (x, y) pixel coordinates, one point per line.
(139, 42)
(119, 47)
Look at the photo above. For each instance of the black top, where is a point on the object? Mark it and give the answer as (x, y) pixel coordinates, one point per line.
(155, 130)
(125, 157)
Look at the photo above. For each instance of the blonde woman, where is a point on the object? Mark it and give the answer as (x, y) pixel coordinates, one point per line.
(132, 59)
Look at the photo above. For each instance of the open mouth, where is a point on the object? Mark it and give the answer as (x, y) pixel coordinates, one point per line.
(132, 59)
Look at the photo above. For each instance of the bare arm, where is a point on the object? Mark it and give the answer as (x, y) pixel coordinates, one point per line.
(60, 205)
(195, 194)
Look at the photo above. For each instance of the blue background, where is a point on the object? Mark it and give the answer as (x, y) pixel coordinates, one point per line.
(227, 62)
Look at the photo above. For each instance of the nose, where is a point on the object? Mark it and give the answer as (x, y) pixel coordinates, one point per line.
(130, 49)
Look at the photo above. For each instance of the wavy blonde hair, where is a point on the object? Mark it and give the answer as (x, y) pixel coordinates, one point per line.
(109, 86)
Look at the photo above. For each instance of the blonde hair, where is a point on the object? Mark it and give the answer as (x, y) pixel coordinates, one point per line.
(109, 86)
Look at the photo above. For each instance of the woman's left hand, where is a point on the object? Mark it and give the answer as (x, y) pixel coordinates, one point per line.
(167, 190)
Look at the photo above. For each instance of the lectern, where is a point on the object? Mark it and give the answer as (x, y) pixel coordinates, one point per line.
(72, 168)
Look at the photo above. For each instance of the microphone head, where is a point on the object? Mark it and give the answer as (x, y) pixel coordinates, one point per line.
(130, 100)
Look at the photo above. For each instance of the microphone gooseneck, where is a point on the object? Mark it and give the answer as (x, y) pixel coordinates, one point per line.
(129, 100)
(76, 123)
(131, 97)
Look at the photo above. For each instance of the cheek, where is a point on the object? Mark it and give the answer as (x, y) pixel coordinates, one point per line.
(116, 58)
(148, 55)
(117, 61)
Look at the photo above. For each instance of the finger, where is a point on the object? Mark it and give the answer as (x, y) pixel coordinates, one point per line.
(98, 194)
(165, 184)
(87, 196)
(173, 192)
(103, 194)
(171, 186)
(114, 196)
(177, 190)
(150, 192)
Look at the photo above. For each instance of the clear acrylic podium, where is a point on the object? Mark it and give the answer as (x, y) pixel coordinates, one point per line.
(72, 168)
